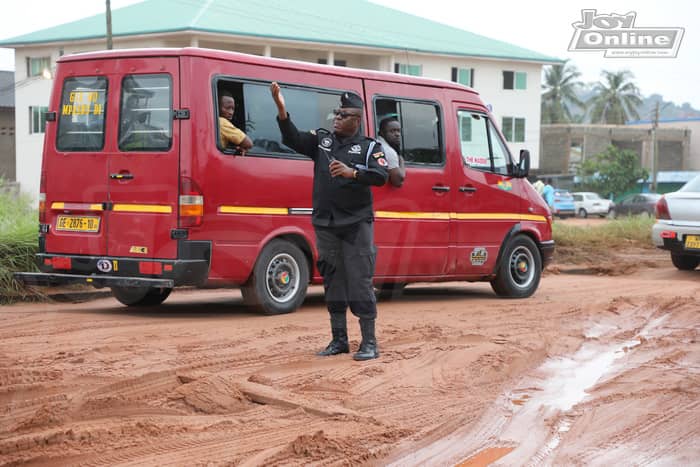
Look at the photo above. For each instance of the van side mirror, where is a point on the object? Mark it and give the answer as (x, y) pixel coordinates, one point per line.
(522, 168)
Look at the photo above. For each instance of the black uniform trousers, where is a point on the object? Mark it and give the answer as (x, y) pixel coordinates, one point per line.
(346, 262)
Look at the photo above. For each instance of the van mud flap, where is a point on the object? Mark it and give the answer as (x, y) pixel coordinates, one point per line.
(49, 279)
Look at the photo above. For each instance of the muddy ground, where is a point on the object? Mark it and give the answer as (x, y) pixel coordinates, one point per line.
(600, 367)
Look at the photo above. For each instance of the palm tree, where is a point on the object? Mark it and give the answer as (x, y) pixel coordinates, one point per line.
(559, 93)
(616, 98)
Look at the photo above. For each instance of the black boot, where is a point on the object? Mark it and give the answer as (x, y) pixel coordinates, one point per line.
(368, 347)
(339, 344)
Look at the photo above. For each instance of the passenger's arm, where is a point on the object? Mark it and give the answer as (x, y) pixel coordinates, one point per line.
(398, 174)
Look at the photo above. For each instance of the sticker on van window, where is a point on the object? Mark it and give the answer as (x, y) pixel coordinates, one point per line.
(83, 103)
(478, 256)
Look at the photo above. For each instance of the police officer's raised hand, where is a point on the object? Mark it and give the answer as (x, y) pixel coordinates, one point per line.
(338, 169)
(279, 100)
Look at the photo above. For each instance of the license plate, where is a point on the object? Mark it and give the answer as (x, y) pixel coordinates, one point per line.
(78, 224)
(692, 242)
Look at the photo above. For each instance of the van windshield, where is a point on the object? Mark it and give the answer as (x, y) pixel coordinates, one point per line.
(81, 120)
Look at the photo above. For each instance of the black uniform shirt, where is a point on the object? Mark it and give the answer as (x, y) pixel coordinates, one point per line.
(339, 201)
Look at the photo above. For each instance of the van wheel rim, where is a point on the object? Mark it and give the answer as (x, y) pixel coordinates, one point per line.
(282, 279)
(522, 267)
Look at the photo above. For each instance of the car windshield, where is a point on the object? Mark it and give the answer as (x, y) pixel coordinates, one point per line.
(693, 185)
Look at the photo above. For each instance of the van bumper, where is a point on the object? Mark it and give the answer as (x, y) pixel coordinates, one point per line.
(49, 279)
(547, 250)
(191, 268)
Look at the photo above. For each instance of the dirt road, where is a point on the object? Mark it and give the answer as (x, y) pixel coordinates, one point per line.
(595, 369)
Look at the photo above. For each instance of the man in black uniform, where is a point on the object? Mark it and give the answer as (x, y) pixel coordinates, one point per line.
(345, 165)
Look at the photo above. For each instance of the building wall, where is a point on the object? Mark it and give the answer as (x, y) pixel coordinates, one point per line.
(673, 145)
(691, 154)
(488, 80)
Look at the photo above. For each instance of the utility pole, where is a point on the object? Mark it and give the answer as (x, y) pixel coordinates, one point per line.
(654, 148)
(108, 15)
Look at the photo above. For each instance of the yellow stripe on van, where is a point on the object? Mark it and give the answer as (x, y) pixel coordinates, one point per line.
(142, 208)
(80, 206)
(411, 215)
(395, 214)
(497, 216)
(252, 210)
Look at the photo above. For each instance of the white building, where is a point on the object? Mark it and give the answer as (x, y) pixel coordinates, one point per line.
(356, 34)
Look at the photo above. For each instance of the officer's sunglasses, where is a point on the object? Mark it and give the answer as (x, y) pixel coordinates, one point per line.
(343, 115)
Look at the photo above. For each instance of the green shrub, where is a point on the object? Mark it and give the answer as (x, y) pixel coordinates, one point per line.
(19, 226)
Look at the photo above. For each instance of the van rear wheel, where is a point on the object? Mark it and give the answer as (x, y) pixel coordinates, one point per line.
(280, 279)
(141, 296)
(519, 271)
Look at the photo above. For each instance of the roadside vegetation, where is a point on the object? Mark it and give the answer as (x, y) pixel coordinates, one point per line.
(18, 241)
(579, 244)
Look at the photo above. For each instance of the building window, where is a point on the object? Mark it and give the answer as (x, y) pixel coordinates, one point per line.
(514, 80)
(513, 129)
(37, 65)
(413, 70)
(37, 121)
(463, 76)
(324, 61)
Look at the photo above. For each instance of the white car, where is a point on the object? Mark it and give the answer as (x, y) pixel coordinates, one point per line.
(588, 203)
(677, 227)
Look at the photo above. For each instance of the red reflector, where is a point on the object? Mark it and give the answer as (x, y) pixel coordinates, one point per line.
(668, 234)
(61, 262)
(47, 261)
(150, 268)
(168, 267)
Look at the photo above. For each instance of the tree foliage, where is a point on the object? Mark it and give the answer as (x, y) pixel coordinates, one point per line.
(613, 171)
(559, 93)
(616, 99)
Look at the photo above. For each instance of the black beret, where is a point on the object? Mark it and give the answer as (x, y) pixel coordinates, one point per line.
(350, 99)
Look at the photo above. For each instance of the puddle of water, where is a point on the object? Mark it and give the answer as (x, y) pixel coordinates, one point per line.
(485, 457)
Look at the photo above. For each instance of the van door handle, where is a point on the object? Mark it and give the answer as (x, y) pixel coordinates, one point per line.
(441, 188)
(467, 189)
(124, 176)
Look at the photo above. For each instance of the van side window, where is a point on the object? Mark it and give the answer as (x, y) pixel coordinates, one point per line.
(145, 121)
(81, 118)
(255, 113)
(421, 129)
(482, 147)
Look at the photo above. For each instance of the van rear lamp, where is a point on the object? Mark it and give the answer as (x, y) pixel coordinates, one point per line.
(42, 207)
(191, 203)
(47, 262)
(61, 262)
(167, 267)
(149, 267)
(668, 234)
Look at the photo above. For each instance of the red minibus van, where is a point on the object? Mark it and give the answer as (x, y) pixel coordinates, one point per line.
(137, 193)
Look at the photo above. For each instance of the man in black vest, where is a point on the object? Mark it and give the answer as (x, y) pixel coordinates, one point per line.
(346, 164)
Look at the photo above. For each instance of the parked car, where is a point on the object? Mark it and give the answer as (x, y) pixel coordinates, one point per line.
(677, 228)
(587, 203)
(640, 203)
(563, 205)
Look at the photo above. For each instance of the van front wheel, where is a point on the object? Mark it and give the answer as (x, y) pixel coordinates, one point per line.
(141, 296)
(280, 279)
(518, 273)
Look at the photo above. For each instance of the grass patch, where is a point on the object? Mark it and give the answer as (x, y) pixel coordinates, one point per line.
(578, 243)
(19, 226)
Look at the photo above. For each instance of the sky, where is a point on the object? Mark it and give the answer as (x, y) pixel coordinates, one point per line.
(542, 26)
